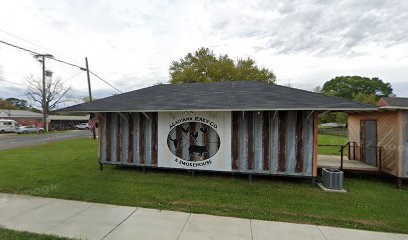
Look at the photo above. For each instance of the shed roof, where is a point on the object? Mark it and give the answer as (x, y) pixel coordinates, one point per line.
(19, 114)
(217, 96)
(393, 103)
(68, 118)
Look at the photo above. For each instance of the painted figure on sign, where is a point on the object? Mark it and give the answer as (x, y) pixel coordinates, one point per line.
(204, 130)
(197, 149)
(176, 141)
(195, 135)
(185, 130)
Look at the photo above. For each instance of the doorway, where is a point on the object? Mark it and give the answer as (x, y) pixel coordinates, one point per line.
(368, 141)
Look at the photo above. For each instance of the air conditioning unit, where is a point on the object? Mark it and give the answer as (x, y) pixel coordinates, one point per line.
(332, 178)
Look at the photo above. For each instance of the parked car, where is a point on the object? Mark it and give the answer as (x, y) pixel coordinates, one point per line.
(7, 125)
(29, 129)
(82, 126)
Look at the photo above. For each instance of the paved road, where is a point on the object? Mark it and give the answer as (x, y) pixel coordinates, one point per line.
(102, 221)
(8, 141)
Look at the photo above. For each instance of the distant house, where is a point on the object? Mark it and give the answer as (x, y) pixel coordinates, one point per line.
(244, 127)
(55, 122)
(381, 137)
(23, 117)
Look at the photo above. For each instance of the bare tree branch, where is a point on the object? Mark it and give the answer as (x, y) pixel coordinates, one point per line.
(55, 92)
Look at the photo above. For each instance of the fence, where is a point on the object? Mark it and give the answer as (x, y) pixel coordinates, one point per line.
(333, 131)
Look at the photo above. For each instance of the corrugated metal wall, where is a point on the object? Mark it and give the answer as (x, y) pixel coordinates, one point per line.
(261, 142)
(128, 138)
(273, 142)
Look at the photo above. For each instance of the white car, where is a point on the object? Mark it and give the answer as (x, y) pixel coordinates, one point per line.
(29, 129)
(7, 125)
(82, 126)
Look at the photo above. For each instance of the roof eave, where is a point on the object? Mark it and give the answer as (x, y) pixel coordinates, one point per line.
(394, 107)
(229, 110)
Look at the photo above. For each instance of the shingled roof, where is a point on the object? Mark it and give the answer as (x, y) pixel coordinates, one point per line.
(217, 96)
(393, 102)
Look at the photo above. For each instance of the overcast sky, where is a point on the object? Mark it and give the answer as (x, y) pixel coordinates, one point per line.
(132, 43)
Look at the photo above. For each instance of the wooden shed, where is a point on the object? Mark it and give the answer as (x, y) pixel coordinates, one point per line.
(242, 126)
(380, 138)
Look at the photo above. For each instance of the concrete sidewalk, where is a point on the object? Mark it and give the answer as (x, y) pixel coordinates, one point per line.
(100, 221)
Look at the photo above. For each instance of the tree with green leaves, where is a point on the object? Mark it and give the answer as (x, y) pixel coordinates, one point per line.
(359, 89)
(4, 104)
(350, 86)
(365, 98)
(204, 66)
(18, 103)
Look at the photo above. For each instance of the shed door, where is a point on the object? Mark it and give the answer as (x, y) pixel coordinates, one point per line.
(368, 140)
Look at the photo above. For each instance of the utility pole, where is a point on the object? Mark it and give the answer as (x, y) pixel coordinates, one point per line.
(41, 58)
(90, 92)
(44, 95)
(89, 79)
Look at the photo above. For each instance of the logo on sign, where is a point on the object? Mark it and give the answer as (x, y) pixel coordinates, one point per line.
(194, 141)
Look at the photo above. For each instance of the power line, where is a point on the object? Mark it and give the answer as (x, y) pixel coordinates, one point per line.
(71, 64)
(12, 82)
(73, 76)
(61, 61)
(105, 82)
(33, 43)
(21, 48)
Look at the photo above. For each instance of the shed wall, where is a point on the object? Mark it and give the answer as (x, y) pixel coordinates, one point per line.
(272, 142)
(128, 139)
(266, 142)
(388, 137)
(405, 143)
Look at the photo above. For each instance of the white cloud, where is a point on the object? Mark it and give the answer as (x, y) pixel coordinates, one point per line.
(132, 43)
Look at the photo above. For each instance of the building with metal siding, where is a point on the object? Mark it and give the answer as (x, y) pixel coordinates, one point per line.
(265, 142)
(244, 126)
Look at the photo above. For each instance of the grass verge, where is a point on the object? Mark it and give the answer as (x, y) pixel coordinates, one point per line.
(69, 170)
(17, 235)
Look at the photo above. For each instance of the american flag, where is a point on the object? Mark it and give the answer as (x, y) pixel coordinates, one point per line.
(93, 121)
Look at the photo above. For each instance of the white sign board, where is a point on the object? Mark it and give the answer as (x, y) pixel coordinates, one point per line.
(195, 140)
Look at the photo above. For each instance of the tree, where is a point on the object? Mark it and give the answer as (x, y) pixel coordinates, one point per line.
(86, 99)
(4, 104)
(365, 98)
(349, 86)
(55, 92)
(18, 103)
(204, 66)
(359, 89)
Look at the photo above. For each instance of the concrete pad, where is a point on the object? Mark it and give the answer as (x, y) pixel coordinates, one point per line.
(282, 231)
(150, 224)
(333, 233)
(94, 222)
(200, 226)
(42, 219)
(331, 190)
(14, 205)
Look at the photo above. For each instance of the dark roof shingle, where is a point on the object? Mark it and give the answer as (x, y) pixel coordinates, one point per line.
(217, 96)
(396, 102)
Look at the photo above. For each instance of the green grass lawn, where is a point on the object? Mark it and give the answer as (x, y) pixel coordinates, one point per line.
(331, 140)
(17, 235)
(69, 169)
